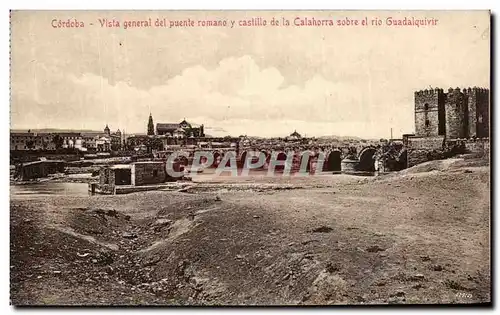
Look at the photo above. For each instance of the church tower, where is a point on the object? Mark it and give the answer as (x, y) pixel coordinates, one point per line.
(107, 132)
(151, 126)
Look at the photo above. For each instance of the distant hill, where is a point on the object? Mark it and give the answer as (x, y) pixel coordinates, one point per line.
(340, 138)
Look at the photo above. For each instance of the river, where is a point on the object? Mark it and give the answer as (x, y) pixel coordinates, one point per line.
(49, 189)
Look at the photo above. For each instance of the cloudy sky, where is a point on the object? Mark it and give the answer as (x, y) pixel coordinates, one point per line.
(262, 81)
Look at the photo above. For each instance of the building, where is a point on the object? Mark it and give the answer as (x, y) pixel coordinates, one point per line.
(83, 141)
(455, 114)
(151, 126)
(134, 141)
(445, 120)
(294, 136)
(135, 174)
(183, 129)
(24, 141)
(38, 169)
(70, 140)
(40, 141)
(103, 144)
(90, 140)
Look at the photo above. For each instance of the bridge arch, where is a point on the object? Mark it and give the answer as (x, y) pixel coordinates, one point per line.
(217, 158)
(403, 159)
(333, 161)
(255, 157)
(243, 158)
(281, 157)
(229, 155)
(309, 156)
(366, 159)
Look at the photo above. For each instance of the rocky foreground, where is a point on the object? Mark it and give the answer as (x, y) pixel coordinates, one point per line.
(420, 236)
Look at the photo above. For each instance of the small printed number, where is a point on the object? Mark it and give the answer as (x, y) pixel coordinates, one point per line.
(464, 295)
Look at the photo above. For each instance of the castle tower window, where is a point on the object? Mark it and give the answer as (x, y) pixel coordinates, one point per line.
(427, 123)
(480, 119)
(426, 107)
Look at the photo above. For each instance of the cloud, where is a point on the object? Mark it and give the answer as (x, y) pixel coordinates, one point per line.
(237, 95)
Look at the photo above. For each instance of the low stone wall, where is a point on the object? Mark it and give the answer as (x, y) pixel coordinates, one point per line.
(417, 156)
(426, 143)
(451, 148)
(149, 173)
(478, 145)
(106, 181)
(349, 166)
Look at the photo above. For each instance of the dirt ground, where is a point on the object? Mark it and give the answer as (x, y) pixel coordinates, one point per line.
(419, 236)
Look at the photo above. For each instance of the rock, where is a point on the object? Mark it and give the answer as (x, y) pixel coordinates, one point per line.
(112, 213)
(437, 267)
(129, 235)
(418, 286)
(217, 198)
(467, 171)
(162, 222)
(417, 277)
(291, 244)
(308, 256)
(359, 298)
(398, 294)
(425, 258)
(331, 268)
(375, 249)
(322, 229)
(256, 216)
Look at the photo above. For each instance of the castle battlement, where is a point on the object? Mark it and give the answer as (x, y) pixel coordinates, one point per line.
(467, 90)
(455, 113)
(429, 92)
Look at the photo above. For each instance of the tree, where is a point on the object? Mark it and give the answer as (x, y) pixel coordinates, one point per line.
(352, 153)
(58, 141)
(154, 144)
(30, 144)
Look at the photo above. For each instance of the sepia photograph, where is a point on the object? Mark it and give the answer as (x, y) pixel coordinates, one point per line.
(250, 158)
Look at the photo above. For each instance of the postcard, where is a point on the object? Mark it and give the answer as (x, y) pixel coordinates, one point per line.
(250, 158)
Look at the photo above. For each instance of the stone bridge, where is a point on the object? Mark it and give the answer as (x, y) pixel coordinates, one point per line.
(361, 155)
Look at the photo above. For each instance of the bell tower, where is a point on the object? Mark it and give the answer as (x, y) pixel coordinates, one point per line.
(151, 126)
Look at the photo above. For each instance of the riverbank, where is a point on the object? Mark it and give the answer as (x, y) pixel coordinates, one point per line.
(419, 237)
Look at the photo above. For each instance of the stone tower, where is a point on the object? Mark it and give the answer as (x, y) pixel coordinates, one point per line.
(151, 126)
(478, 100)
(429, 113)
(456, 114)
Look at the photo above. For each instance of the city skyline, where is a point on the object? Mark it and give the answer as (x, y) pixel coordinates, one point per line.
(239, 81)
